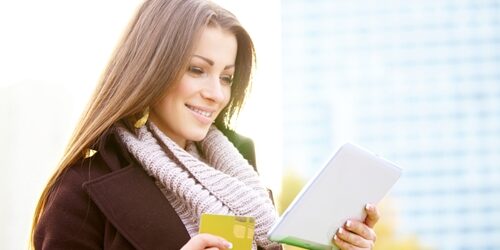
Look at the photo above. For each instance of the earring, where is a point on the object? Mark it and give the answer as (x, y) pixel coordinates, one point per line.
(144, 118)
(87, 153)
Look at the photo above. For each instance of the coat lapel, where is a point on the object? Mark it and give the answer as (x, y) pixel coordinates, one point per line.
(132, 202)
(129, 198)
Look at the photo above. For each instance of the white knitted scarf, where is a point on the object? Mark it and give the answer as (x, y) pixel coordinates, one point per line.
(225, 184)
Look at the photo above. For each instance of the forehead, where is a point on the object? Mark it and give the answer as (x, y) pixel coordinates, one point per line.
(218, 45)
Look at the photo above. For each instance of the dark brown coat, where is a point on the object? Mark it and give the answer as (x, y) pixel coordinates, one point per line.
(109, 202)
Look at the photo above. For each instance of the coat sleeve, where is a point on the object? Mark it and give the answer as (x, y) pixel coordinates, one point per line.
(70, 219)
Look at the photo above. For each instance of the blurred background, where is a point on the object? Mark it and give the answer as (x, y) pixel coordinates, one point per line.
(417, 82)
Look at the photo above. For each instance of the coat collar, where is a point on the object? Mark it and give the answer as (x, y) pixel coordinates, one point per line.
(131, 201)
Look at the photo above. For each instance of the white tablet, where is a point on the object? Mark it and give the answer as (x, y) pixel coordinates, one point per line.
(339, 191)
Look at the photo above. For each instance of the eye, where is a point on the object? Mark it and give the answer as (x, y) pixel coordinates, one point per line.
(226, 80)
(196, 71)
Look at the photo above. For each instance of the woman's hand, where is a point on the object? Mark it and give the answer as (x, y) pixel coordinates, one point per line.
(207, 241)
(356, 234)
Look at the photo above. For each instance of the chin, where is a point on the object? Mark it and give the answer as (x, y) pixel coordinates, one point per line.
(199, 134)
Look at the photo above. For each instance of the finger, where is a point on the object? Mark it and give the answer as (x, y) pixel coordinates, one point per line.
(341, 243)
(372, 215)
(203, 241)
(353, 239)
(210, 240)
(361, 229)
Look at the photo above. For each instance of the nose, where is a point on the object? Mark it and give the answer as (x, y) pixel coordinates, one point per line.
(213, 90)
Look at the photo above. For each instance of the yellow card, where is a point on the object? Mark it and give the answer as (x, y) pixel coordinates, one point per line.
(236, 229)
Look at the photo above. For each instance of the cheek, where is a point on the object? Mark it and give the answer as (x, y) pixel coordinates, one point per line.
(227, 95)
(187, 86)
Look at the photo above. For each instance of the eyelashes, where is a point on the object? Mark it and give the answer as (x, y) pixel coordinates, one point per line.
(196, 70)
(225, 79)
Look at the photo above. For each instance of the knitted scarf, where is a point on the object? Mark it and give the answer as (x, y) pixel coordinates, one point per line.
(217, 180)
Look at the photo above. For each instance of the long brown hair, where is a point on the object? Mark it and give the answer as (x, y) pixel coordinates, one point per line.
(153, 54)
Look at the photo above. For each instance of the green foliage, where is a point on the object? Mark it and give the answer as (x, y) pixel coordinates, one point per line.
(291, 185)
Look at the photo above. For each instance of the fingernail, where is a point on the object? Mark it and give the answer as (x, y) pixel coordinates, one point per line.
(229, 245)
(348, 223)
(335, 237)
(341, 230)
(369, 206)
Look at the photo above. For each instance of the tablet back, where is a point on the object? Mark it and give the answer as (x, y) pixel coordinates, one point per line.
(339, 191)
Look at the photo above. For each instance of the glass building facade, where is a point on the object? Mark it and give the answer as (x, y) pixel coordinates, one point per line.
(417, 82)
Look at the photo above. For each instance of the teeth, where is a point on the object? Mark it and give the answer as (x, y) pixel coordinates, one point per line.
(201, 112)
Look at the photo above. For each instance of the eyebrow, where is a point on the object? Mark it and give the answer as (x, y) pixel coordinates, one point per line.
(212, 62)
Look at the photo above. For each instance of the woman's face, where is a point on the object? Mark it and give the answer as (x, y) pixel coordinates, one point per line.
(191, 105)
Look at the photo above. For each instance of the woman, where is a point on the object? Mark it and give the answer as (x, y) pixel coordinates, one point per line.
(154, 151)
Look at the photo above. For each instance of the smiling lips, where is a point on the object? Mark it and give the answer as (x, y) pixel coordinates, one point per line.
(201, 112)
